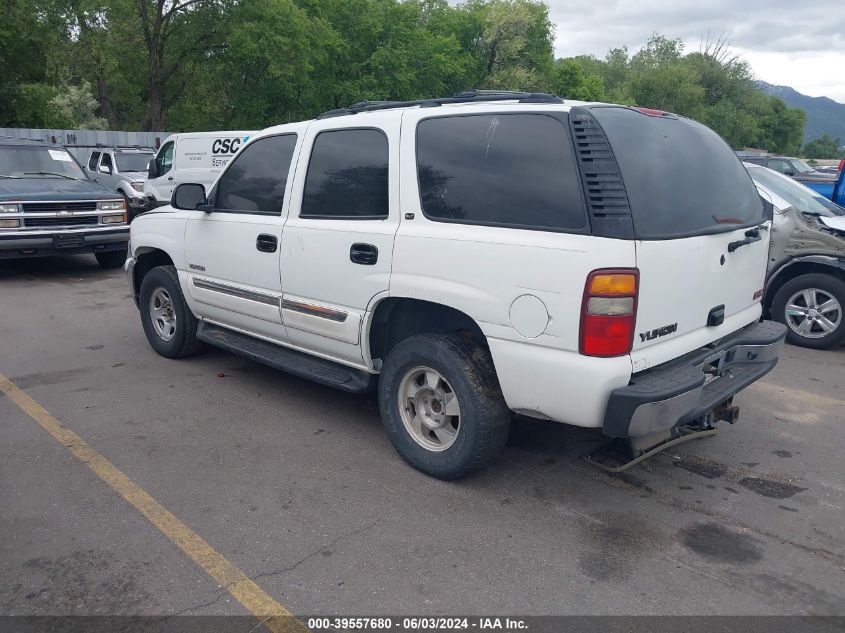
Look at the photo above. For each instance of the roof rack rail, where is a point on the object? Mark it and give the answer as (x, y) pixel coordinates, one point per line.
(465, 96)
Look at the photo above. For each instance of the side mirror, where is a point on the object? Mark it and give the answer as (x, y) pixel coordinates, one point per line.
(789, 172)
(105, 169)
(188, 196)
(152, 169)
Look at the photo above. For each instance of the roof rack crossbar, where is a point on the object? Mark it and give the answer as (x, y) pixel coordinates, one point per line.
(466, 96)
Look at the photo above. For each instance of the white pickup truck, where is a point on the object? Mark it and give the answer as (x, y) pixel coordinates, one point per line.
(473, 256)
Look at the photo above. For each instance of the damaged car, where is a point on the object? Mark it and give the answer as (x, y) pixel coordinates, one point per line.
(805, 287)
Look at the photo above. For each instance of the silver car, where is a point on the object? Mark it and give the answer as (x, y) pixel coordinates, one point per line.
(805, 286)
(123, 169)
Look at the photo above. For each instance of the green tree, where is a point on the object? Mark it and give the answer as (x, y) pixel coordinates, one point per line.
(573, 82)
(824, 146)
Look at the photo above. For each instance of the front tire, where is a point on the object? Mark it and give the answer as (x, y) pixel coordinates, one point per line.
(169, 324)
(111, 259)
(441, 405)
(811, 306)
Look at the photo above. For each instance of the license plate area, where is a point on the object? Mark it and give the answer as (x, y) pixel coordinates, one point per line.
(68, 240)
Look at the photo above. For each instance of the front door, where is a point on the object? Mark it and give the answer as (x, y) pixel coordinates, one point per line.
(233, 251)
(161, 187)
(338, 241)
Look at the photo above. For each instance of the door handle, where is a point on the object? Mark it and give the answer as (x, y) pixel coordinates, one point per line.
(266, 243)
(365, 254)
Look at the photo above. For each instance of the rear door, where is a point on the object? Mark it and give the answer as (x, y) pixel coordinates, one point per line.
(700, 228)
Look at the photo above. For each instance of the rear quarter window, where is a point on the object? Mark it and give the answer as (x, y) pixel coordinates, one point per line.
(513, 170)
(680, 177)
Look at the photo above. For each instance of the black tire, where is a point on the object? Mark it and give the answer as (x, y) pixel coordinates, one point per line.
(111, 259)
(484, 417)
(832, 286)
(184, 340)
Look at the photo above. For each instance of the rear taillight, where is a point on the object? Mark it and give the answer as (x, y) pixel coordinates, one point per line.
(609, 312)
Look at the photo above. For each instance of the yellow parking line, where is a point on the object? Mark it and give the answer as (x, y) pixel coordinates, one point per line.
(243, 589)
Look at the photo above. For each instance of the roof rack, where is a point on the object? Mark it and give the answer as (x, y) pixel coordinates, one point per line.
(465, 96)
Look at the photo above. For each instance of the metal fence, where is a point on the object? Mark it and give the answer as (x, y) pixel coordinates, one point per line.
(86, 137)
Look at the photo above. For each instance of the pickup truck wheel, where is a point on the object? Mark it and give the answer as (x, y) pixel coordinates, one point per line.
(442, 406)
(811, 306)
(111, 259)
(169, 324)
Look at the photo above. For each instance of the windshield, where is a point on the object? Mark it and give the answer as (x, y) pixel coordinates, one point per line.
(797, 195)
(23, 161)
(801, 167)
(132, 161)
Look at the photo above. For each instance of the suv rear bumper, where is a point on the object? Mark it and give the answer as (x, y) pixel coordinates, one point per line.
(678, 392)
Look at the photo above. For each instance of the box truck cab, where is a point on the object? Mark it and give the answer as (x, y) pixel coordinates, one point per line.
(192, 157)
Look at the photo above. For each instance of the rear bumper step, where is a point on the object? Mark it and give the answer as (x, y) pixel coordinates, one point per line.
(296, 363)
(679, 392)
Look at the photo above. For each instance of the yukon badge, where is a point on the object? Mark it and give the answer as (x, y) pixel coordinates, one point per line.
(658, 332)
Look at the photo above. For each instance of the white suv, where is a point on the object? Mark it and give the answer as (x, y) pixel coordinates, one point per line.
(596, 265)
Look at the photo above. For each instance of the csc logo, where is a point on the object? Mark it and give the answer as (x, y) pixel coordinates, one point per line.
(225, 145)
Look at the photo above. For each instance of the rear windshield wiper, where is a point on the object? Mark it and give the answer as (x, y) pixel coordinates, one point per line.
(47, 173)
(751, 235)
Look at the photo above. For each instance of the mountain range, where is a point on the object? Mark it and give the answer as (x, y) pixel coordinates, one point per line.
(824, 115)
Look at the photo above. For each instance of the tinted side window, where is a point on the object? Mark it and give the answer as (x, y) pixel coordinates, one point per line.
(347, 175)
(513, 170)
(255, 181)
(106, 161)
(778, 165)
(92, 161)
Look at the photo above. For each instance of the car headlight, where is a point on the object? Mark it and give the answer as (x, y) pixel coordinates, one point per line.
(10, 224)
(10, 208)
(114, 219)
(138, 185)
(111, 205)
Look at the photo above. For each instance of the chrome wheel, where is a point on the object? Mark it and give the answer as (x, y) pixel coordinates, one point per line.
(162, 314)
(813, 313)
(429, 409)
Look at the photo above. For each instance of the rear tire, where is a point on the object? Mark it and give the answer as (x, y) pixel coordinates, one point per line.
(111, 259)
(169, 324)
(811, 306)
(442, 406)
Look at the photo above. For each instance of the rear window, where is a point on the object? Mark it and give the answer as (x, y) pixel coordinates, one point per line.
(681, 178)
(514, 170)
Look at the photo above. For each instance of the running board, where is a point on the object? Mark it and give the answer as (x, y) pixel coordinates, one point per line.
(297, 363)
(612, 461)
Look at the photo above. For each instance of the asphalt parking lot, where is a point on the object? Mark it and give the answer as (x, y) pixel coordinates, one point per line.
(296, 485)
